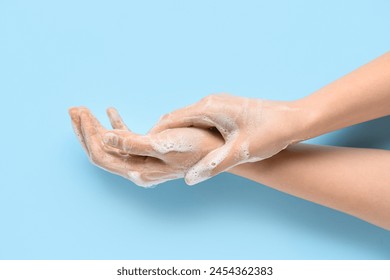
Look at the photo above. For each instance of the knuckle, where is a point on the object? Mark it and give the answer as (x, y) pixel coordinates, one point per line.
(165, 117)
(224, 95)
(127, 145)
(208, 98)
(213, 99)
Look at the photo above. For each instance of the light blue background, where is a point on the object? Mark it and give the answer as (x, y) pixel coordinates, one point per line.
(148, 58)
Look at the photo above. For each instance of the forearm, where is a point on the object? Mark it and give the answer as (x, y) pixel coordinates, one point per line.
(355, 181)
(362, 95)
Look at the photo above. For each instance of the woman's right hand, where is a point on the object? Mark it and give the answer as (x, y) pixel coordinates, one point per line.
(253, 130)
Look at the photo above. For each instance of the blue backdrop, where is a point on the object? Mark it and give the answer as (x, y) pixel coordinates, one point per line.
(147, 58)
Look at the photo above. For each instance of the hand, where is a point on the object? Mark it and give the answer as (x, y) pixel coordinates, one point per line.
(253, 130)
(136, 158)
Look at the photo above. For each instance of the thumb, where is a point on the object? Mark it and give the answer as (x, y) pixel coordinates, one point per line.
(212, 164)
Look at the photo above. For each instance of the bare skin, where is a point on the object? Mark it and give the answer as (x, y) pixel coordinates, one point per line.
(352, 180)
(256, 129)
(355, 181)
(137, 159)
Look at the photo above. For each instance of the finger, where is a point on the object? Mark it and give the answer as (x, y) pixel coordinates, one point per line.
(154, 171)
(130, 143)
(156, 178)
(193, 115)
(93, 120)
(91, 132)
(75, 117)
(147, 172)
(212, 164)
(116, 119)
(161, 176)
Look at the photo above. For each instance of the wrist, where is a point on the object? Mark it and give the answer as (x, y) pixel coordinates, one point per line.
(303, 119)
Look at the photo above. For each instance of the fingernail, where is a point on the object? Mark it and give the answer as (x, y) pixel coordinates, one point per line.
(111, 139)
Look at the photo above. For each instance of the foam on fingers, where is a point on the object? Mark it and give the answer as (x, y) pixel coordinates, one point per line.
(212, 164)
(172, 144)
(152, 178)
(130, 143)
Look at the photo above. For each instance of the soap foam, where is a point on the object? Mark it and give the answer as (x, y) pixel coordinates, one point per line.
(136, 178)
(244, 152)
(201, 171)
(172, 145)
